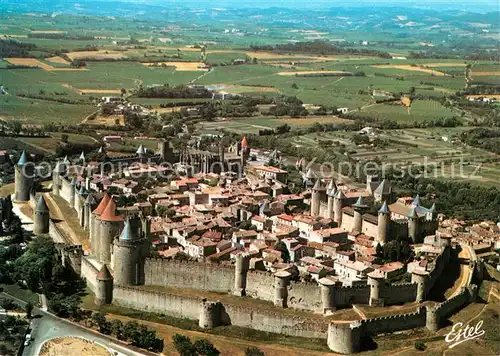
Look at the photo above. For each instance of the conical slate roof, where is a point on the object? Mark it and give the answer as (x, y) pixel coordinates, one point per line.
(41, 205)
(126, 234)
(141, 150)
(82, 156)
(360, 203)
(433, 208)
(384, 188)
(23, 159)
(73, 181)
(109, 214)
(102, 205)
(101, 150)
(90, 200)
(82, 190)
(416, 201)
(318, 186)
(104, 274)
(340, 195)
(66, 160)
(412, 214)
(331, 188)
(310, 174)
(384, 209)
(60, 167)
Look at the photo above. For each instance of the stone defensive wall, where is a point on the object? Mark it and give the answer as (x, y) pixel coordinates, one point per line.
(182, 305)
(67, 191)
(189, 274)
(89, 272)
(347, 296)
(399, 293)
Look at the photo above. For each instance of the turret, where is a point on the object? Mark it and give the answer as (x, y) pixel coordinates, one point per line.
(318, 192)
(111, 224)
(240, 274)
(281, 281)
(209, 314)
(331, 190)
(420, 278)
(376, 281)
(245, 152)
(81, 159)
(432, 318)
(58, 172)
(344, 338)
(384, 223)
(23, 176)
(41, 217)
(72, 193)
(141, 153)
(104, 290)
(338, 203)
(87, 211)
(128, 255)
(359, 208)
(327, 295)
(95, 225)
(310, 178)
(413, 225)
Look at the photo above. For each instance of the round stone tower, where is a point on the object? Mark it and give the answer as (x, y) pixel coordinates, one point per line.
(331, 190)
(95, 225)
(244, 153)
(104, 288)
(111, 225)
(327, 295)
(88, 206)
(413, 224)
(359, 208)
(240, 274)
(23, 176)
(376, 281)
(209, 314)
(420, 278)
(57, 174)
(384, 222)
(432, 318)
(344, 338)
(281, 281)
(338, 204)
(318, 192)
(41, 217)
(128, 256)
(72, 192)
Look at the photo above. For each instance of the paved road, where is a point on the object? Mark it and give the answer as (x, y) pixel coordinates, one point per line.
(45, 326)
(48, 327)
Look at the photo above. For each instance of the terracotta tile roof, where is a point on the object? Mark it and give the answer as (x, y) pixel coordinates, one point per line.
(102, 205)
(109, 214)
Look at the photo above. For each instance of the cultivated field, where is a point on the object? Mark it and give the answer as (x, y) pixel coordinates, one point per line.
(410, 67)
(95, 55)
(181, 66)
(31, 62)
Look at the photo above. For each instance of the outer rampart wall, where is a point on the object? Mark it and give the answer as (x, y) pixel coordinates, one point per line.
(346, 296)
(89, 272)
(185, 306)
(399, 293)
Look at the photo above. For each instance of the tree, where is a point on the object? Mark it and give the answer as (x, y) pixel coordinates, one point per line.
(29, 309)
(295, 86)
(205, 348)
(253, 351)
(285, 255)
(16, 126)
(64, 138)
(184, 346)
(420, 345)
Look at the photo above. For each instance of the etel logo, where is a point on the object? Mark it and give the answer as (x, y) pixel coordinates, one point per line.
(457, 335)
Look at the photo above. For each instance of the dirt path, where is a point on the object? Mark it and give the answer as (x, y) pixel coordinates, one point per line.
(227, 345)
(464, 272)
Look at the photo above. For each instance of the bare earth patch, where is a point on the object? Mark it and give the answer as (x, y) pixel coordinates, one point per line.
(91, 91)
(482, 74)
(313, 119)
(70, 346)
(98, 55)
(409, 67)
(312, 72)
(180, 66)
(57, 59)
(31, 62)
